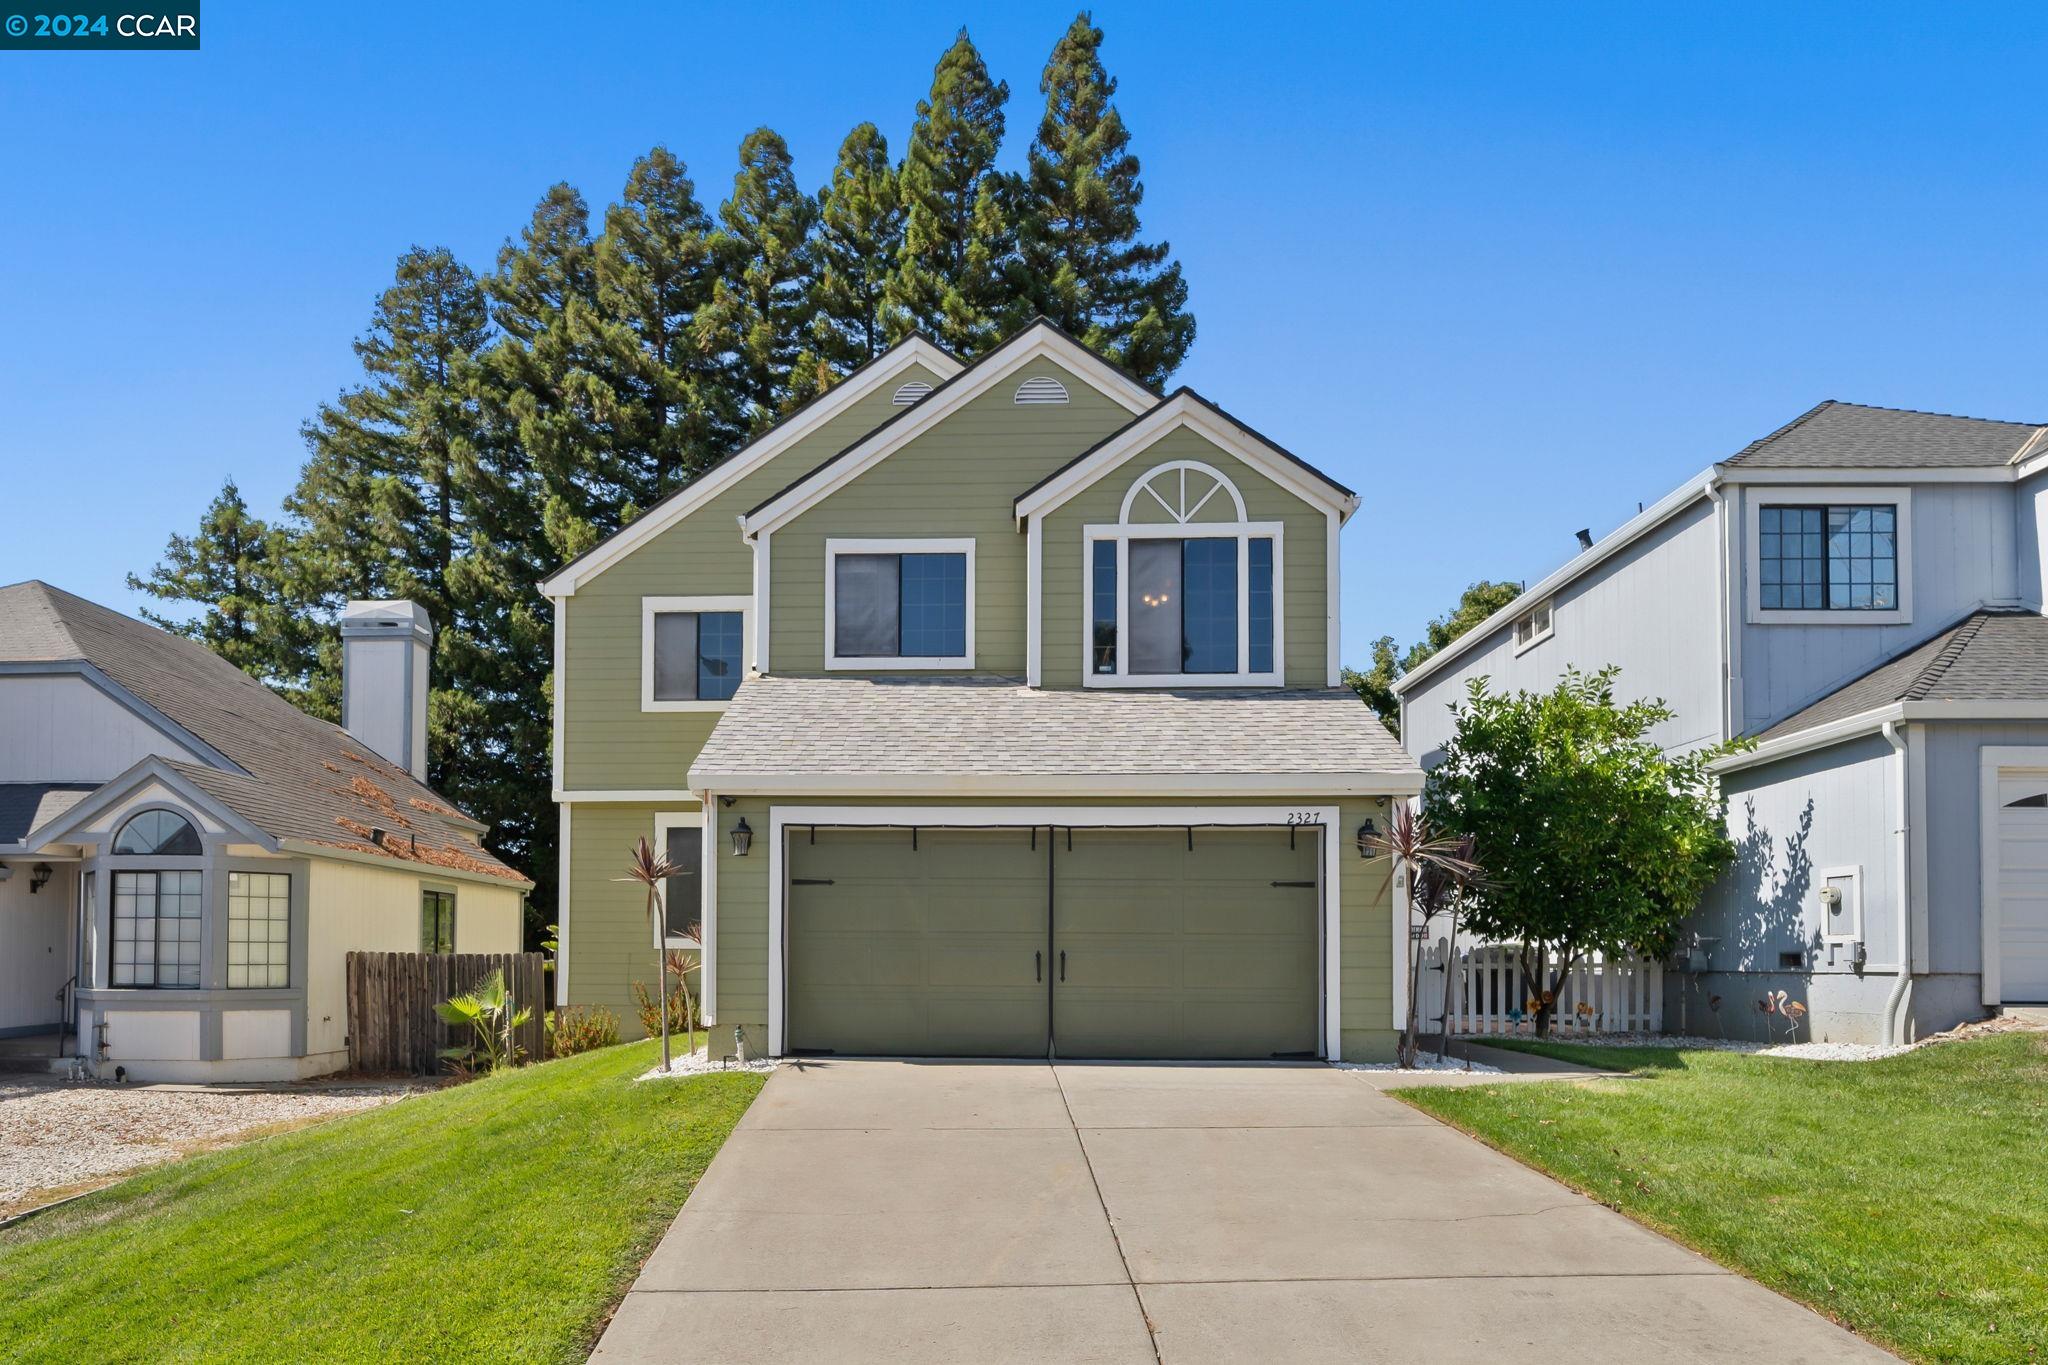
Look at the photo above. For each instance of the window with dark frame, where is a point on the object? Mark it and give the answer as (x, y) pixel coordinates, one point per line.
(157, 919)
(159, 833)
(259, 929)
(437, 921)
(697, 655)
(1828, 558)
(899, 606)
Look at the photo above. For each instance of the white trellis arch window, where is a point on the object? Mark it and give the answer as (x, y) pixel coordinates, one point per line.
(1183, 590)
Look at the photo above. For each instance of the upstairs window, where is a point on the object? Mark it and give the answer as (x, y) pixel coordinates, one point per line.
(1174, 594)
(899, 604)
(1533, 627)
(693, 652)
(1835, 557)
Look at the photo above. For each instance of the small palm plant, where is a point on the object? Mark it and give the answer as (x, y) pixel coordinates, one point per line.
(1440, 868)
(492, 1022)
(652, 870)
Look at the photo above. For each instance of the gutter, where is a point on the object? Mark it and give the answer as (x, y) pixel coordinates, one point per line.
(1074, 786)
(1874, 721)
(1902, 983)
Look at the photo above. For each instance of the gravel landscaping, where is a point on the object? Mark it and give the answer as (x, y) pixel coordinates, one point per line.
(53, 1137)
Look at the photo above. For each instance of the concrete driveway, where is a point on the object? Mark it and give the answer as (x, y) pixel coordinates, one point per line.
(938, 1211)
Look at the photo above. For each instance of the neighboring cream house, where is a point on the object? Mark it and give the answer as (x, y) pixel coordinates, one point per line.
(186, 858)
(987, 710)
(1861, 592)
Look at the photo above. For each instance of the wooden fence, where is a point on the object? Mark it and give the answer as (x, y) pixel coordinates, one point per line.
(392, 1022)
(1490, 995)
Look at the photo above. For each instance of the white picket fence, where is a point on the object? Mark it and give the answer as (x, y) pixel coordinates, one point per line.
(1489, 994)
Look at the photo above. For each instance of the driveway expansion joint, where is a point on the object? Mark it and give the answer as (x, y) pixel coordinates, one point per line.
(1151, 1328)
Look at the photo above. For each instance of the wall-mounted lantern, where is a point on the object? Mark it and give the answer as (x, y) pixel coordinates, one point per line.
(1367, 832)
(742, 838)
(39, 877)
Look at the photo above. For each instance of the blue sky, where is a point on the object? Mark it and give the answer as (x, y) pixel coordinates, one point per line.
(1506, 270)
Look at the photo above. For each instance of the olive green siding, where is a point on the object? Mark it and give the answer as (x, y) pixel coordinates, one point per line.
(1305, 555)
(1364, 893)
(607, 943)
(958, 480)
(608, 743)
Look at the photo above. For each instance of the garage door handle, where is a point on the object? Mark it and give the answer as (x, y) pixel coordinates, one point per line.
(1038, 966)
(1063, 964)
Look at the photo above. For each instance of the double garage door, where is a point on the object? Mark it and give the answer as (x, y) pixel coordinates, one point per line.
(1054, 942)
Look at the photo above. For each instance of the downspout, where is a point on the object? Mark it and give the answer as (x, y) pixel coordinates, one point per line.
(1902, 893)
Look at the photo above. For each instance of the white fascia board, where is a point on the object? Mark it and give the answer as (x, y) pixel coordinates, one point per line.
(1039, 343)
(594, 797)
(1183, 410)
(1628, 533)
(1072, 786)
(1871, 721)
(836, 400)
(311, 848)
(1739, 474)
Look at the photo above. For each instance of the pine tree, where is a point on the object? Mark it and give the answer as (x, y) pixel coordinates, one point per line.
(376, 502)
(956, 225)
(232, 570)
(670, 416)
(760, 313)
(1079, 260)
(860, 233)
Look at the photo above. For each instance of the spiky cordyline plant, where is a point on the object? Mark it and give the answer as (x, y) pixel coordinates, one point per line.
(1440, 868)
(652, 870)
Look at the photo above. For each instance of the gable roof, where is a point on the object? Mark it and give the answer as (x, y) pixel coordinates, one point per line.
(813, 414)
(1990, 655)
(1039, 338)
(27, 805)
(911, 736)
(1182, 408)
(1836, 435)
(284, 772)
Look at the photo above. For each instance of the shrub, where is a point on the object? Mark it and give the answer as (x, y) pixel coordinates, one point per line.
(679, 1010)
(581, 1028)
(488, 1014)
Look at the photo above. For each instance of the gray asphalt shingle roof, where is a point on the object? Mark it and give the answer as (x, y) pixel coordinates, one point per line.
(25, 805)
(895, 729)
(1853, 436)
(1987, 656)
(305, 778)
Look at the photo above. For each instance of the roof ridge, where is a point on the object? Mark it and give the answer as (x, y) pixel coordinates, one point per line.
(1929, 412)
(1945, 658)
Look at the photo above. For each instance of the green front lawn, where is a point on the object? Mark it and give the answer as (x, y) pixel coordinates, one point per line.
(1907, 1198)
(497, 1220)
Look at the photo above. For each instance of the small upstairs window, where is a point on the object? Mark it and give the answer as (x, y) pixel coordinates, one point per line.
(1533, 627)
(692, 652)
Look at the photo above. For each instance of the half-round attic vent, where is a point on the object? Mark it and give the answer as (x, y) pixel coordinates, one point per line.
(1041, 388)
(909, 393)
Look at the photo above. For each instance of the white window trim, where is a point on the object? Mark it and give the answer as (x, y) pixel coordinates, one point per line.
(650, 607)
(1123, 534)
(664, 821)
(1327, 819)
(1855, 908)
(1549, 609)
(1837, 495)
(835, 547)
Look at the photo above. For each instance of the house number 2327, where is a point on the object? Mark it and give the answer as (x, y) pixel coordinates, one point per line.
(1302, 817)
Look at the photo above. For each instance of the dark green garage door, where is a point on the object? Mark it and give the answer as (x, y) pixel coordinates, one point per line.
(935, 951)
(1078, 943)
(1167, 950)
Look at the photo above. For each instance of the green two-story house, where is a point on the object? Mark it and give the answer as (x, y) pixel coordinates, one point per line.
(987, 710)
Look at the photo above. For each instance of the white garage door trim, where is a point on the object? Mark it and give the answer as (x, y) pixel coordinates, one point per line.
(1995, 761)
(1326, 818)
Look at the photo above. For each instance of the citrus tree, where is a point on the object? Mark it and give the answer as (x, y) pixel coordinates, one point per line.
(1594, 839)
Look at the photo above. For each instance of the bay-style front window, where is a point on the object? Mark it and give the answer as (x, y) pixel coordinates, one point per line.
(157, 918)
(259, 929)
(692, 652)
(899, 604)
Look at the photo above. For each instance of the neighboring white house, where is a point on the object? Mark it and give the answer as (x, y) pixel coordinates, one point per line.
(1860, 591)
(186, 858)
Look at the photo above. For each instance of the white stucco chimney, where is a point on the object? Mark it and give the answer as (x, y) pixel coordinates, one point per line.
(385, 648)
